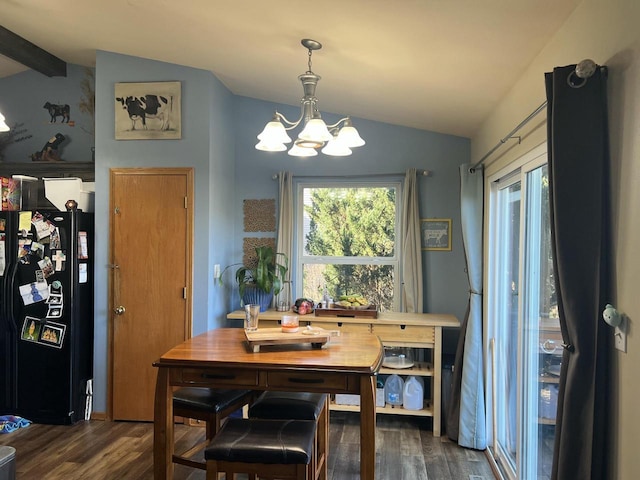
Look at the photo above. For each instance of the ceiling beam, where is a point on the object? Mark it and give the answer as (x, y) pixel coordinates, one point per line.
(30, 55)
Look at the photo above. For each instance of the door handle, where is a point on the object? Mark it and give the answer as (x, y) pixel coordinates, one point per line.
(119, 310)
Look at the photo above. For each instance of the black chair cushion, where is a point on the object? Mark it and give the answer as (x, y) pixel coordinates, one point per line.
(211, 400)
(256, 440)
(291, 405)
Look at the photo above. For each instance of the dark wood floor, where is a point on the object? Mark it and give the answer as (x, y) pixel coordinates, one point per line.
(97, 450)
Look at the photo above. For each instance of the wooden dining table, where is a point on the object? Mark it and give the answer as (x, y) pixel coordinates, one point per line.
(222, 358)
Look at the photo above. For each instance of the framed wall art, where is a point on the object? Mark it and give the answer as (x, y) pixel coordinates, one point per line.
(148, 111)
(435, 234)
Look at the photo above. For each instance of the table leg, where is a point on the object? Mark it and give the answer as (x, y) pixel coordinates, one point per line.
(367, 427)
(163, 428)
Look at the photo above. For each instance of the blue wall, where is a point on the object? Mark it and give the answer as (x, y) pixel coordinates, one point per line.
(206, 145)
(22, 97)
(389, 149)
(218, 138)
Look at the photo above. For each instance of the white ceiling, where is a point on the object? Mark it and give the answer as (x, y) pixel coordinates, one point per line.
(439, 65)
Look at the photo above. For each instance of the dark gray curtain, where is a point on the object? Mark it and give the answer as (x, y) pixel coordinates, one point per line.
(579, 194)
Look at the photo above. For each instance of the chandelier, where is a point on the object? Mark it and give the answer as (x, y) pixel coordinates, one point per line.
(337, 139)
(3, 125)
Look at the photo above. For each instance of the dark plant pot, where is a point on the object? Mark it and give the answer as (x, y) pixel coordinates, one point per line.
(256, 296)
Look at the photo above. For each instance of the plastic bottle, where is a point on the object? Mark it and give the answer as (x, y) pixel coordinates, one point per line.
(325, 297)
(393, 390)
(413, 394)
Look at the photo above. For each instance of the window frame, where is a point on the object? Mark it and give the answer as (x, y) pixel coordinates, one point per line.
(301, 258)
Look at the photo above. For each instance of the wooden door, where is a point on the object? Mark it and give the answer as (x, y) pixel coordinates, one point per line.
(151, 275)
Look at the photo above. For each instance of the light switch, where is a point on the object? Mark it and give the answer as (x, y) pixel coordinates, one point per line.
(620, 336)
(216, 270)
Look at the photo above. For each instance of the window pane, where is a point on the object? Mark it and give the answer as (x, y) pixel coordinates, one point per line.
(507, 272)
(541, 348)
(374, 282)
(350, 222)
(347, 243)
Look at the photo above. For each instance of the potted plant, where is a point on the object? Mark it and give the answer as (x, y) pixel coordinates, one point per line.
(259, 282)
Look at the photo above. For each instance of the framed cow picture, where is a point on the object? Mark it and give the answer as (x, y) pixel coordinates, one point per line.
(148, 111)
(435, 234)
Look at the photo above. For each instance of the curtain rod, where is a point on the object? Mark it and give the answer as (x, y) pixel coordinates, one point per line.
(583, 70)
(423, 173)
(508, 136)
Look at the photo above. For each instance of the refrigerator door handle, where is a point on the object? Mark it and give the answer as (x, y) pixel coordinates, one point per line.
(8, 295)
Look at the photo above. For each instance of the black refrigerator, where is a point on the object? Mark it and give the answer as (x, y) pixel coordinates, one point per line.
(46, 315)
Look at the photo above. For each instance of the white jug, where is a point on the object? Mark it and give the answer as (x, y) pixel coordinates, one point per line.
(413, 394)
(393, 390)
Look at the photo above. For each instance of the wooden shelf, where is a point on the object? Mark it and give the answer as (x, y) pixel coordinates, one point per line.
(427, 411)
(546, 421)
(84, 170)
(422, 369)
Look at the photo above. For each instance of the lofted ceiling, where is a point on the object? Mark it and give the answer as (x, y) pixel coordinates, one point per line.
(439, 65)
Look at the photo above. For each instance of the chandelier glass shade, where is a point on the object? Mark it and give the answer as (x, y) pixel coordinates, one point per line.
(336, 139)
(3, 125)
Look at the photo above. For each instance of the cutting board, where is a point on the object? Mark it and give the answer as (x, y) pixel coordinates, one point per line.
(275, 336)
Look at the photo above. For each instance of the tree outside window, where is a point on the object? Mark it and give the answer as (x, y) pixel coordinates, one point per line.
(349, 242)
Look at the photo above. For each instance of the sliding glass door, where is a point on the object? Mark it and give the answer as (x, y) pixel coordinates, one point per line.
(524, 346)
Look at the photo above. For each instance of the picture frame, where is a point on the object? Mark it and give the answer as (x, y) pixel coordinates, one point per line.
(148, 111)
(52, 334)
(31, 327)
(435, 234)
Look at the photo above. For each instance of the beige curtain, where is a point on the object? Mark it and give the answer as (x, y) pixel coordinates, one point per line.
(284, 242)
(411, 248)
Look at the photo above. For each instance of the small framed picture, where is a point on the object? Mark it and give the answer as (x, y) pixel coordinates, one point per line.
(31, 329)
(52, 334)
(435, 234)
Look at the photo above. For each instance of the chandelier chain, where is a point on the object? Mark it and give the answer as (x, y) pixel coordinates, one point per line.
(309, 64)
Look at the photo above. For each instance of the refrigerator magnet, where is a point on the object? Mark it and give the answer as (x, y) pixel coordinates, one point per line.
(24, 222)
(46, 267)
(39, 276)
(52, 334)
(83, 249)
(54, 298)
(31, 329)
(54, 311)
(54, 240)
(34, 292)
(82, 273)
(3, 224)
(59, 258)
(37, 249)
(44, 227)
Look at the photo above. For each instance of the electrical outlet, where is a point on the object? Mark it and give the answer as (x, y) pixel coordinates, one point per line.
(620, 336)
(216, 270)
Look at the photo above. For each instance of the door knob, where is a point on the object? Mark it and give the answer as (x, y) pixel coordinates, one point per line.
(119, 310)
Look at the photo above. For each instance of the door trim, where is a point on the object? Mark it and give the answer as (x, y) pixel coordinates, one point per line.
(113, 174)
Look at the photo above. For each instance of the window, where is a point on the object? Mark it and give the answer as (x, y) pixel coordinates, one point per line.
(523, 325)
(347, 241)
